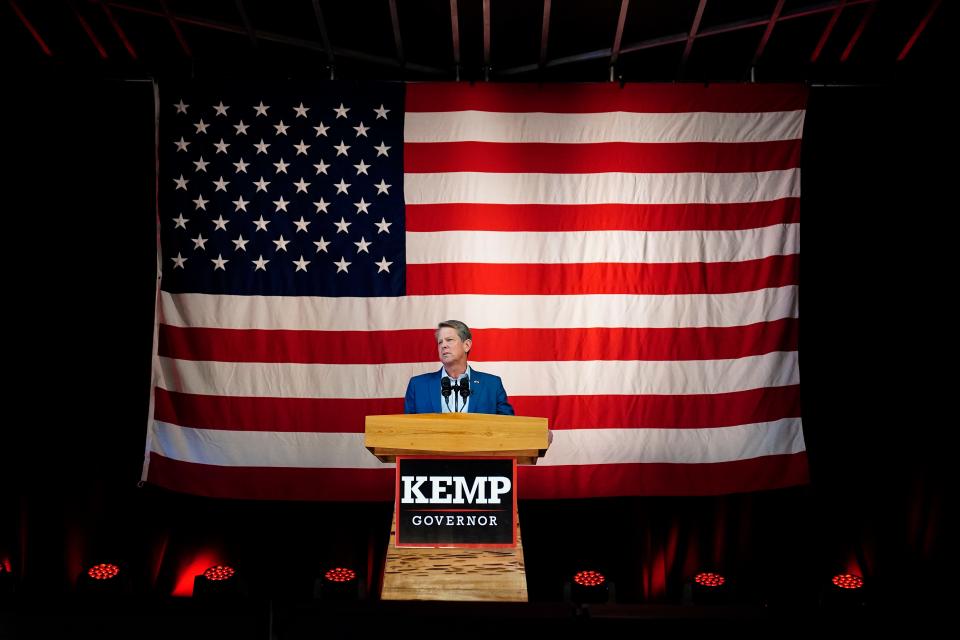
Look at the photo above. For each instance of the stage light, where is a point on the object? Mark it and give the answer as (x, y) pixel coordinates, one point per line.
(102, 577)
(8, 581)
(588, 586)
(847, 581)
(845, 591)
(709, 579)
(339, 583)
(707, 588)
(218, 581)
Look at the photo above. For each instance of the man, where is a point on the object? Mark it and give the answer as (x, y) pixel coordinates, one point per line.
(427, 393)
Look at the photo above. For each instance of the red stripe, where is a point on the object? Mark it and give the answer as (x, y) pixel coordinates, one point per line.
(600, 217)
(582, 481)
(416, 345)
(602, 278)
(324, 415)
(591, 481)
(440, 157)
(602, 97)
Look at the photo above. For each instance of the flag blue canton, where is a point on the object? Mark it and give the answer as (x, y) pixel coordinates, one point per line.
(283, 193)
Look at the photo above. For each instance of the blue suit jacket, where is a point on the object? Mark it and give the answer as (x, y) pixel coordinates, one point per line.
(487, 394)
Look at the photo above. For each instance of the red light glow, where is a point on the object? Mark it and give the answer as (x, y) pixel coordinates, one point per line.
(848, 581)
(103, 571)
(589, 578)
(219, 572)
(340, 574)
(708, 579)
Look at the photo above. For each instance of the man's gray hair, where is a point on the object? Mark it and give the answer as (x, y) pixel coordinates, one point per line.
(462, 330)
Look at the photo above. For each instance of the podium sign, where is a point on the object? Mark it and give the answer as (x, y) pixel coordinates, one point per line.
(463, 502)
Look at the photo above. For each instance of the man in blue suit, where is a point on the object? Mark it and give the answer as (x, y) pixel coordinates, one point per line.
(466, 390)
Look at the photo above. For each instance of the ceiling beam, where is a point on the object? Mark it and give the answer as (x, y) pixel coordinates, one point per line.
(694, 28)
(395, 20)
(324, 35)
(176, 28)
(618, 36)
(766, 32)
(101, 50)
(486, 39)
(245, 19)
(856, 34)
(455, 30)
(827, 31)
(118, 29)
(544, 33)
(29, 25)
(920, 27)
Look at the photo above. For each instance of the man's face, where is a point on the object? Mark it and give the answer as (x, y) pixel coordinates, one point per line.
(452, 350)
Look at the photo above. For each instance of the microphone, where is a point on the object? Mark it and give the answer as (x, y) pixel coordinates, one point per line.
(465, 387)
(445, 387)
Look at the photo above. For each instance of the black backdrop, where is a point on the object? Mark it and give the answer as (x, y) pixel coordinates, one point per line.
(877, 231)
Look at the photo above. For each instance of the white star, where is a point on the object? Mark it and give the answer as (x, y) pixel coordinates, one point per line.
(181, 108)
(301, 186)
(219, 262)
(262, 146)
(381, 113)
(301, 264)
(341, 148)
(181, 222)
(179, 260)
(362, 168)
(182, 144)
(201, 203)
(241, 166)
(220, 223)
(221, 184)
(221, 109)
(301, 148)
(382, 150)
(281, 128)
(261, 184)
(383, 187)
(241, 204)
(281, 204)
(281, 166)
(301, 225)
(321, 244)
(321, 130)
(321, 206)
(342, 265)
(262, 109)
(384, 265)
(301, 110)
(383, 226)
(322, 167)
(201, 126)
(181, 182)
(362, 245)
(241, 128)
(342, 186)
(342, 225)
(199, 242)
(241, 243)
(342, 111)
(261, 263)
(221, 146)
(362, 206)
(201, 164)
(281, 244)
(261, 223)
(361, 130)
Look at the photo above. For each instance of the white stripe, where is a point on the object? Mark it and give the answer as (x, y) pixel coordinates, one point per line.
(683, 446)
(481, 311)
(569, 447)
(523, 378)
(600, 188)
(615, 126)
(602, 246)
(262, 449)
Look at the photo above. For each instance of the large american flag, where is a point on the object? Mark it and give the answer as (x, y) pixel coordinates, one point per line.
(627, 258)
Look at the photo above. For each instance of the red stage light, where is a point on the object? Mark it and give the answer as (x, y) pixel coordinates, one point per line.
(103, 571)
(848, 581)
(340, 574)
(219, 572)
(589, 578)
(708, 579)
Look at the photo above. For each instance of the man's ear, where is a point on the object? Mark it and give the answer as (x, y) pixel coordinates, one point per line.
(467, 345)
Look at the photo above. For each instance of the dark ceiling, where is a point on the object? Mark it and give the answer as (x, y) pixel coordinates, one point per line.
(840, 41)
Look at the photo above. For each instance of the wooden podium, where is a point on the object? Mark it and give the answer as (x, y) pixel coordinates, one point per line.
(452, 573)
